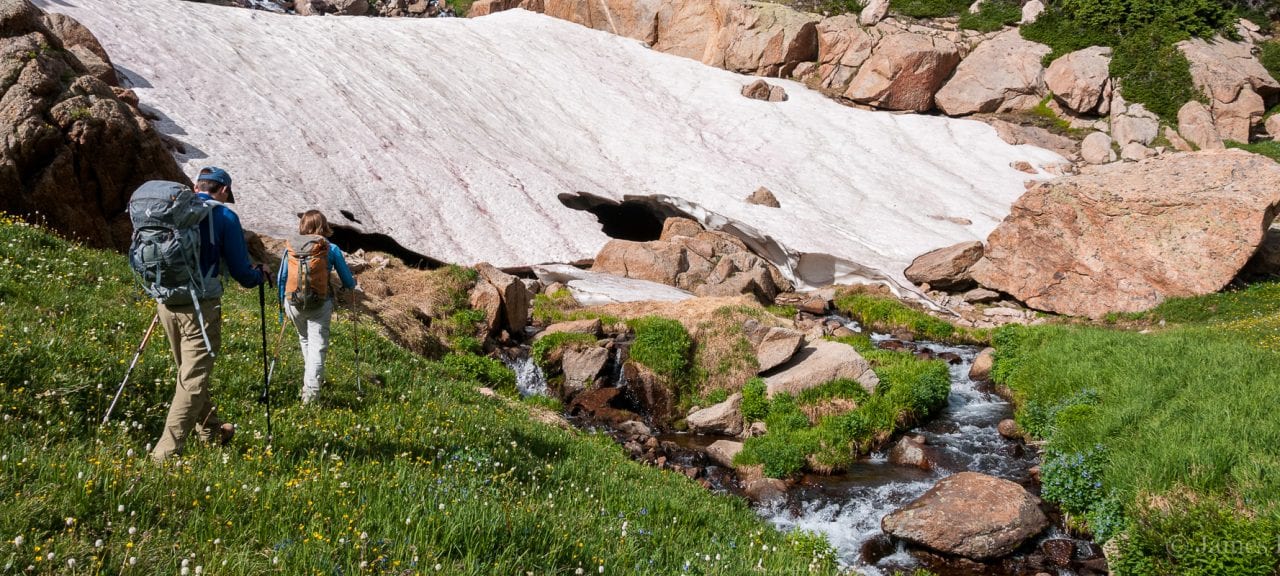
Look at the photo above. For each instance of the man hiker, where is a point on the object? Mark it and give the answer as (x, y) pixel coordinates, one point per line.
(221, 240)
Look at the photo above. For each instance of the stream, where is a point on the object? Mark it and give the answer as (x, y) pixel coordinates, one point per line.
(847, 507)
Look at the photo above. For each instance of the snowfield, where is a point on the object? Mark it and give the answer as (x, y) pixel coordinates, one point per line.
(456, 137)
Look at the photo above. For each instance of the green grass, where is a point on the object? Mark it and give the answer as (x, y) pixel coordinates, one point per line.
(664, 346)
(786, 311)
(561, 307)
(909, 390)
(1268, 148)
(422, 471)
(885, 314)
(1161, 435)
(841, 388)
(992, 15)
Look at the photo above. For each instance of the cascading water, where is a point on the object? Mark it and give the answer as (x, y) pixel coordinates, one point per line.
(848, 508)
(530, 380)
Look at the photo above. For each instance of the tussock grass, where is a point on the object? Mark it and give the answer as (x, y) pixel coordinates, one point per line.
(884, 313)
(909, 390)
(561, 307)
(422, 475)
(1184, 413)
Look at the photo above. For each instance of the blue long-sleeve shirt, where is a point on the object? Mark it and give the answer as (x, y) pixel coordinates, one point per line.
(336, 262)
(227, 244)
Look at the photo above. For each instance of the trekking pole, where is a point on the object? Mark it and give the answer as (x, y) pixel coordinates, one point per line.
(266, 382)
(276, 356)
(356, 322)
(145, 337)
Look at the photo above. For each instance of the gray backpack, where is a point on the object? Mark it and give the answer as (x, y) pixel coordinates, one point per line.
(165, 251)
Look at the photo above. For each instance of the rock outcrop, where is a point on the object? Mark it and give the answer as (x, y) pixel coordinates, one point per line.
(760, 39)
(1133, 123)
(1124, 237)
(707, 263)
(980, 370)
(772, 345)
(1079, 80)
(971, 515)
(515, 296)
(335, 7)
(1235, 82)
(1035, 136)
(1002, 74)
(904, 72)
(73, 148)
(843, 46)
(723, 452)
(723, 418)
(761, 90)
(820, 362)
(1096, 149)
(1195, 123)
(946, 268)
(581, 367)
(1266, 261)
(763, 197)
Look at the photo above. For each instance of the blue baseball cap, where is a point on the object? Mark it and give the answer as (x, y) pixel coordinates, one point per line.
(220, 176)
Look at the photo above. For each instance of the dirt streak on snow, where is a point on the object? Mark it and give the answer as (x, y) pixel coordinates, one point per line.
(455, 136)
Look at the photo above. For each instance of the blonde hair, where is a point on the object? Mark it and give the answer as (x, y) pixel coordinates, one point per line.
(314, 222)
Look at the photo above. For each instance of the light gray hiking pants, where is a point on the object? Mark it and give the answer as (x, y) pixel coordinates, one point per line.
(313, 335)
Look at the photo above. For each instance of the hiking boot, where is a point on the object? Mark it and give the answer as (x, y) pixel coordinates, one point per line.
(226, 433)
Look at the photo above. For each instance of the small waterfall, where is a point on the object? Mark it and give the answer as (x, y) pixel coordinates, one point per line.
(530, 380)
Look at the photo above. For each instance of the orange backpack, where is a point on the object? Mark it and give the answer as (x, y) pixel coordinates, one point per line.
(307, 286)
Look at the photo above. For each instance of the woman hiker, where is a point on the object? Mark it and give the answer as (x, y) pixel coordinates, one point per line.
(306, 294)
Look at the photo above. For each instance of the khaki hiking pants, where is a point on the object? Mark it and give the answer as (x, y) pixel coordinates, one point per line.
(191, 406)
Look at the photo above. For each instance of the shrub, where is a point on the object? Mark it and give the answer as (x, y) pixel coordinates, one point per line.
(1153, 71)
(461, 330)
(992, 15)
(1269, 55)
(1194, 17)
(1074, 480)
(915, 387)
(1054, 29)
(837, 7)
(755, 402)
(816, 546)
